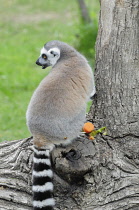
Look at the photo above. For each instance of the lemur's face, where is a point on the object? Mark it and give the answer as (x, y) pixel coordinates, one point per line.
(48, 57)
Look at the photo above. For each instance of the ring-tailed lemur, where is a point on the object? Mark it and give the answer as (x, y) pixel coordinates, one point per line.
(56, 112)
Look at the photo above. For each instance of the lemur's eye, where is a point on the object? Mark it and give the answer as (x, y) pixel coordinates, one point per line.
(44, 56)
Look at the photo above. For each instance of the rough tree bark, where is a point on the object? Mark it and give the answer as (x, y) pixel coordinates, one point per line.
(104, 173)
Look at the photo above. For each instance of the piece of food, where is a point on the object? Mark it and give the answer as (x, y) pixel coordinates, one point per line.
(88, 127)
(91, 138)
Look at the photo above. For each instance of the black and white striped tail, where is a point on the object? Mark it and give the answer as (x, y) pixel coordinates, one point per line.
(42, 181)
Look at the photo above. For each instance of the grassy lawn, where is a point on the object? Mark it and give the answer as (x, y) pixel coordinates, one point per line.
(24, 28)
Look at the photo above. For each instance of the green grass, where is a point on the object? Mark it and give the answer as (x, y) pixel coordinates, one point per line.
(24, 28)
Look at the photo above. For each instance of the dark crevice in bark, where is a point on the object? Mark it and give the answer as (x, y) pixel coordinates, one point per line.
(105, 137)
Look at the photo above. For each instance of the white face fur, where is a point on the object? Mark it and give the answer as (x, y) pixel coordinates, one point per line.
(51, 56)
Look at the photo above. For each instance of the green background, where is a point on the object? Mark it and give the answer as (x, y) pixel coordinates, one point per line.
(25, 26)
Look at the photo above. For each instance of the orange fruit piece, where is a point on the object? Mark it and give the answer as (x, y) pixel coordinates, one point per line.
(91, 138)
(88, 127)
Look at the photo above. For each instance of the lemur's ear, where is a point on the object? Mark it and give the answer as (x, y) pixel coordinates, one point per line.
(55, 52)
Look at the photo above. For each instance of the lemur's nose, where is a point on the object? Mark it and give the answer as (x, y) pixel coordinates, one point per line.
(38, 63)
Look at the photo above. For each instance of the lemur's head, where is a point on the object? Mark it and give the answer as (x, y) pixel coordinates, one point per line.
(54, 51)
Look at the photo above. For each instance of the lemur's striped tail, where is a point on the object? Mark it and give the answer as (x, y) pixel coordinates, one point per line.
(42, 181)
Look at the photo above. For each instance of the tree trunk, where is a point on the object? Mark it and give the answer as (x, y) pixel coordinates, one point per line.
(84, 11)
(103, 173)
